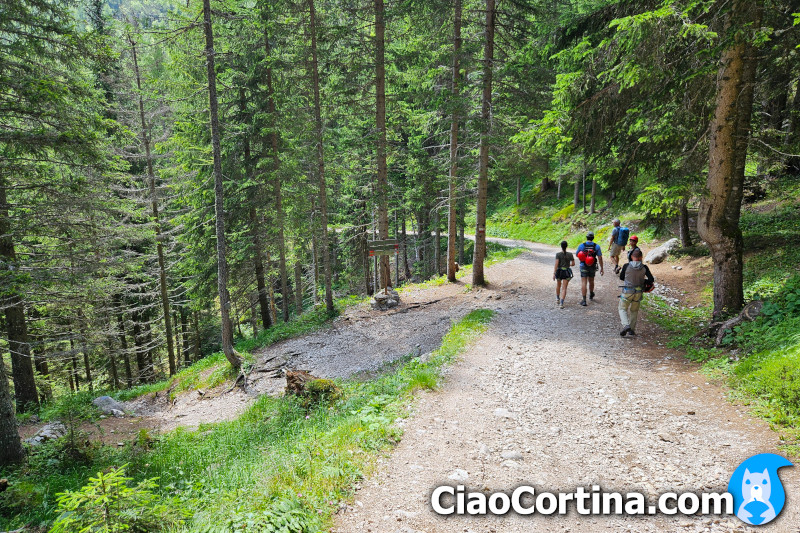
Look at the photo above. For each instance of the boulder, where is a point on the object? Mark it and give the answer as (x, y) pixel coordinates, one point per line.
(658, 255)
(108, 405)
(383, 301)
(51, 431)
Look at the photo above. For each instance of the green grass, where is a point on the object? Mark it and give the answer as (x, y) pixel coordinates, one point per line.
(759, 360)
(546, 219)
(277, 462)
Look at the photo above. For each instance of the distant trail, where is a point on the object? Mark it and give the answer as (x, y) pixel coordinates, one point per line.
(556, 398)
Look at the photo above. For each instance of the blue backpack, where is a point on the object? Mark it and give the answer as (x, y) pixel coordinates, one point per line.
(622, 236)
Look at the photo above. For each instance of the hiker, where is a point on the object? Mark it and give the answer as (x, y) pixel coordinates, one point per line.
(617, 243)
(634, 246)
(637, 277)
(562, 273)
(590, 255)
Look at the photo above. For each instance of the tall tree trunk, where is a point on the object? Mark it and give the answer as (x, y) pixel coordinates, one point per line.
(219, 207)
(123, 342)
(461, 227)
(365, 255)
(718, 220)
(298, 288)
(74, 360)
(583, 185)
(258, 261)
(151, 179)
(10, 445)
(483, 171)
(43, 368)
(452, 199)
(576, 200)
(255, 227)
(382, 189)
(437, 243)
(406, 268)
(149, 352)
(142, 371)
(197, 353)
(594, 195)
(276, 163)
(187, 358)
(178, 342)
(683, 224)
(397, 254)
(16, 327)
(323, 195)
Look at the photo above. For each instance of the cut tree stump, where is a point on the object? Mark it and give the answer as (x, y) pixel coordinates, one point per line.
(296, 381)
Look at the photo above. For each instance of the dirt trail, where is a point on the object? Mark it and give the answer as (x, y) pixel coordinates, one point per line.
(557, 399)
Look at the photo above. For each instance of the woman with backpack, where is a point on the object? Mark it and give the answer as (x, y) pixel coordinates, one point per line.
(562, 273)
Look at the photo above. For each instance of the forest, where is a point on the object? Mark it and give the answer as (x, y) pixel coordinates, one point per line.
(176, 177)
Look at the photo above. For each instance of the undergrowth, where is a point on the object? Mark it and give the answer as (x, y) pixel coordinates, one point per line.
(544, 218)
(281, 466)
(760, 360)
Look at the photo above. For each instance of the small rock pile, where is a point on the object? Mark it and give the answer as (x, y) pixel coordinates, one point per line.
(51, 431)
(383, 301)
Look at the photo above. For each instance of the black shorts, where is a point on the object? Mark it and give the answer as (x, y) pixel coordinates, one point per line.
(564, 273)
(588, 272)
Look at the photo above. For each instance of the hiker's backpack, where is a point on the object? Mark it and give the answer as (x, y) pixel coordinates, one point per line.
(648, 286)
(590, 254)
(622, 236)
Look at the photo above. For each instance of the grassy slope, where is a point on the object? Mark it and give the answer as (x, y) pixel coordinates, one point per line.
(278, 462)
(761, 359)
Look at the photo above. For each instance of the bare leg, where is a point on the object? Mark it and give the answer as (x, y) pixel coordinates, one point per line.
(564, 289)
(583, 287)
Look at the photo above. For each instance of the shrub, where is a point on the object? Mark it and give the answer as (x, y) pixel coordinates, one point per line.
(109, 504)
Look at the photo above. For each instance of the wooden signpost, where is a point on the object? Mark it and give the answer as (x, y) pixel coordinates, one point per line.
(383, 247)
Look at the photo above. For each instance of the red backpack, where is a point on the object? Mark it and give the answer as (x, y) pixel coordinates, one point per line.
(590, 254)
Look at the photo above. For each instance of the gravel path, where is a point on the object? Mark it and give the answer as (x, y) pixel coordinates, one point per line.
(555, 398)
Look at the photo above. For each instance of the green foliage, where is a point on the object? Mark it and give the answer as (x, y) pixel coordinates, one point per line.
(109, 503)
(321, 391)
(281, 466)
(282, 515)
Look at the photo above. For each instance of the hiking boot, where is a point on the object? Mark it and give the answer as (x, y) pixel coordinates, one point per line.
(631, 332)
(617, 269)
(624, 331)
(583, 302)
(558, 300)
(591, 296)
(561, 305)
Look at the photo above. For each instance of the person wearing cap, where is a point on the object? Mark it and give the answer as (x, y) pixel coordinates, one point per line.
(617, 242)
(634, 242)
(634, 275)
(590, 255)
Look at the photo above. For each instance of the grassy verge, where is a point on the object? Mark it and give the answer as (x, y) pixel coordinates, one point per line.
(549, 220)
(759, 360)
(279, 465)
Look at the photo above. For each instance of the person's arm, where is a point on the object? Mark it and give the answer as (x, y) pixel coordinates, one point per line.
(555, 268)
(648, 275)
(611, 240)
(622, 272)
(600, 259)
(572, 258)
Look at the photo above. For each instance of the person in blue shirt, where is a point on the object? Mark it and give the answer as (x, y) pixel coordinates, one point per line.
(590, 256)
